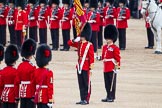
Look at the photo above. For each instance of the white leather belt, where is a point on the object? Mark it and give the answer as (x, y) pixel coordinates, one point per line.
(25, 82)
(109, 60)
(43, 86)
(9, 85)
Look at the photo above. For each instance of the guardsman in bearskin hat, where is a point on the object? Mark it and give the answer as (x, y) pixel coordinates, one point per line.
(86, 7)
(8, 76)
(65, 23)
(21, 23)
(25, 74)
(3, 15)
(123, 14)
(55, 17)
(32, 19)
(101, 12)
(42, 20)
(111, 61)
(43, 78)
(94, 20)
(1, 58)
(11, 22)
(109, 12)
(85, 63)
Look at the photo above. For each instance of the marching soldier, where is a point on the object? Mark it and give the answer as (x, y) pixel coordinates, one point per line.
(55, 17)
(101, 24)
(25, 72)
(65, 23)
(42, 21)
(43, 78)
(94, 20)
(85, 63)
(8, 76)
(32, 19)
(3, 15)
(11, 22)
(111, 60)
(109, 12)
(123, 14)
(21, 23)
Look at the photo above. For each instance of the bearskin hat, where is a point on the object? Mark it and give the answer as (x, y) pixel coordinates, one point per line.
(110, 1)
(3, 1)
(122, 1)
(1, 52)
(11, 54)
(101, 1)
(111, 32)
(20, 3)
(66, 2)
(93, 4)
(32, 1)
(86, 32)
(82, 2)
(43, 1)
(43, 55)
(28, 48)
(54, 1)
(86, 1)
(12, 1)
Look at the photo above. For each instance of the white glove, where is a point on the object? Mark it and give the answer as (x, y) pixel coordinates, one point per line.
(116, 71)
(123, 17)
(148, 19)
(77, 39)
(90, 21)
(32, 18)
(56, 17)
(50, 105)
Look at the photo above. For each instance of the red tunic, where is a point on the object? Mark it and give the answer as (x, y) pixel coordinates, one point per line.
(110, 52)
(24, 76)
(21, 19)
(32, 17)
(4, 15)
(8, 77)
(42, 17)
(89, 61)
(122, 23)
(43, 77)
(112, 12)
(102, 23)
(1, 86)
(94, 25)
(55, 19)
(65, 23)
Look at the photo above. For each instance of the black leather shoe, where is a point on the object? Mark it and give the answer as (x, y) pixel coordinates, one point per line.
(104, 100)
(62, 49)
(84, 102)
(79, 102)
(66, 49)
(122, 48)
(54, 49)
(158, 52)
(149, 47)
(110, 100)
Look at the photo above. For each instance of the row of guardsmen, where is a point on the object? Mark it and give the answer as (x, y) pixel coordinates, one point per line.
(35, 15)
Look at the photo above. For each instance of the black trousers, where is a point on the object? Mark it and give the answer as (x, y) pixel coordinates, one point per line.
(66, 38)
(12, 34)
(26, 36)
(19, 38)
(41, 105)
(74, 32)
(43, 35)
(122, 38)
(9, 105)
(108, 76)
(100, 37)
(3, 34)
(94, 40)
(33, 33)
(55, 38)
(84, 85)
(150, 37)
(26, 103)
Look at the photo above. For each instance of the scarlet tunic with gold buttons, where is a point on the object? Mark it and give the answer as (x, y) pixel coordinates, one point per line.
(89, 61)
(110, 52)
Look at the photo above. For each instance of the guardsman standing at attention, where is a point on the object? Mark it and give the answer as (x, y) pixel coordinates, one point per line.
(42, 21)
(111, 62)
(43, 78)
(1, 59)
(123, 14)
(65, 23)
(109, 12)
(3, 15)
(21, 23)
(25, 72)
(11, 22)
(32, 19)
(8, 76)
(55, 17)
(94, 20)
(85, 63)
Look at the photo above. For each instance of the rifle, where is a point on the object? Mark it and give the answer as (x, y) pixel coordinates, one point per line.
(55, 11)
(110, 11)
(122, 12)
(93, 16)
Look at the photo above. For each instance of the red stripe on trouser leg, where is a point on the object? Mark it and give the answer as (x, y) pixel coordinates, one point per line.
(89, 87)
